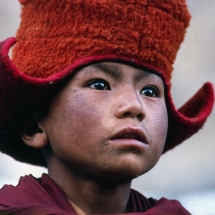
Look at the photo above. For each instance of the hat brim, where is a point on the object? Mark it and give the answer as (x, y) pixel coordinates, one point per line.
(18, 90)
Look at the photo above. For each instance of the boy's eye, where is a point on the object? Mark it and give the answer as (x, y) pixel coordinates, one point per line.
(150, 91)
(99, 85)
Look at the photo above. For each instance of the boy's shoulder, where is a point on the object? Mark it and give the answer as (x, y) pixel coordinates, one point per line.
(28, 189)
(162, 206)
(34, 195)
(42, 196)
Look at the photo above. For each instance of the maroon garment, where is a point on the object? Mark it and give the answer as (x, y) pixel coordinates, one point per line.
(42, 196)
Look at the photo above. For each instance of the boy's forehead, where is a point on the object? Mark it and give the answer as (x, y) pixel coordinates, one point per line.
(120, 70)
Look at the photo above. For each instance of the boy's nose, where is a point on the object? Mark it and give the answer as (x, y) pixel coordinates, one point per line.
(129, 105)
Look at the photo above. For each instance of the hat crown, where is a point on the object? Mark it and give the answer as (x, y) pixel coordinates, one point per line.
(54, 34)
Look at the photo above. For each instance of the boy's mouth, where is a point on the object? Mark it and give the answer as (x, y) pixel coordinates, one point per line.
(130, 133)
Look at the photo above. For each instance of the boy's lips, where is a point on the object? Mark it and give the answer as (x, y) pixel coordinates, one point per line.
(132, 133)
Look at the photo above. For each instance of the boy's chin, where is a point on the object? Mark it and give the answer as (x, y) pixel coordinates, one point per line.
(117, 179)
(130, 170)
(123, 175)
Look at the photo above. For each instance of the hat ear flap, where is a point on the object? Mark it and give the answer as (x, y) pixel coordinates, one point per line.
(34, 135)
(186, 121)
(200, 105)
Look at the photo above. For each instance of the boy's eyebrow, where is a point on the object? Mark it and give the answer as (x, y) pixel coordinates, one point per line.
(141, 74)
(115, 71)
(111, 70)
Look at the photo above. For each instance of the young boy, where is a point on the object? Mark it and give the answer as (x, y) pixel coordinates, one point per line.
(87, 94)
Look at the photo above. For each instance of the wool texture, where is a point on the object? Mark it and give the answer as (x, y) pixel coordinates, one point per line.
(54, 34)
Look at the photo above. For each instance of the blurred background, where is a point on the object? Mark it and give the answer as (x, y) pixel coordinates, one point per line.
(186, 173)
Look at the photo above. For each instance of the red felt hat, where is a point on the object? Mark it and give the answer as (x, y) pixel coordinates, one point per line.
(56, 38)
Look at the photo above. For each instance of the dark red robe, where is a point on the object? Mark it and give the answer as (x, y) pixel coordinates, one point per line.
(42, 197)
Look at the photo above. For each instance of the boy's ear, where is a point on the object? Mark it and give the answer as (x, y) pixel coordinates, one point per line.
(33, 134)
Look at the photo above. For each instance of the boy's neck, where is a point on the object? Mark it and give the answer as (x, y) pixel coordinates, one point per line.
(76, 208)
(99, 204)
(90, 197)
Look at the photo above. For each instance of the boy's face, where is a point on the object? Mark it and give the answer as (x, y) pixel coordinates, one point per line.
(109, 122)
